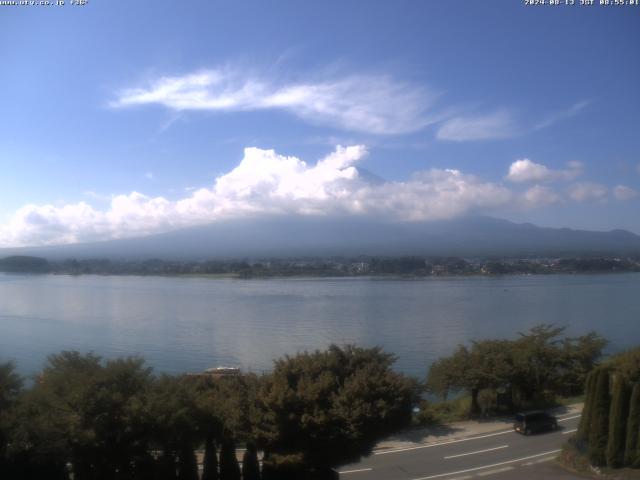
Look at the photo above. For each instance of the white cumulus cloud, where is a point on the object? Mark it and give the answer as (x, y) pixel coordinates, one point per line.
(524, 170)
(366, 103)
(268, 183)
(264, 182)
(588, 191)
(622, 192)
(540, 196)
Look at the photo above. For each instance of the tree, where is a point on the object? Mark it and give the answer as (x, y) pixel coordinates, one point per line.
(581, 356)
(210, 462)
(250, 464)
(174, 422)
(537, 364)
(229, 468)
(598, 429)
(329, 407)
(585, 419)
(632, 444)
(10, 389)
(187, 464)
(487, 364)
(538, 361)
(115, 410)
(53, 426)
(618, 422)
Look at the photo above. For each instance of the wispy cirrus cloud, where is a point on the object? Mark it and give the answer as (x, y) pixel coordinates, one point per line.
(572, 111)
(490, 126)
(377, 104)
(367, 103)
(498, 124)
(525, 170)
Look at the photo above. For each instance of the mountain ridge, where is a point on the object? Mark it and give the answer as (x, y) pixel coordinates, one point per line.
(320, 236)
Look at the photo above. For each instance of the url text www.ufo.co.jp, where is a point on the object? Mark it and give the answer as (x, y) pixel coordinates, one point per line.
(43, 3)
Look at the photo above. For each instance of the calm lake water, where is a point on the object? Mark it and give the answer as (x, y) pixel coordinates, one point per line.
(189, 324)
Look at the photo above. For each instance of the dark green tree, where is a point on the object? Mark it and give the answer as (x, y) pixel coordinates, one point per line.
(144, 467)
(632, 444)
(618, 418)
(53, 425)
(580, 356)
(325, 408)
(250, 464)
(210, 462)
(187, 464)
(585, 419)
(166, 466)
(599, 428)
(229, 467)
(487, 364)
(174, 421)
(447, 374)
(538, 362)
(10, 389)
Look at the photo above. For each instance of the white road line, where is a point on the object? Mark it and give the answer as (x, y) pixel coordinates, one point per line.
(473, 453)
(429, 445)
(487, 466)
(569, 418)
(570, 431)
(533, 462)
(493, 472)
(355, 471)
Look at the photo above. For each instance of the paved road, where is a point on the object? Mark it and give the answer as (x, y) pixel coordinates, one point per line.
(503, 454)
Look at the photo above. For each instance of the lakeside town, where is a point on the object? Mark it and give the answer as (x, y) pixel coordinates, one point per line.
(410, 266)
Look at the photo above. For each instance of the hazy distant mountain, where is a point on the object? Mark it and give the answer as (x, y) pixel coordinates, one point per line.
(286, 237)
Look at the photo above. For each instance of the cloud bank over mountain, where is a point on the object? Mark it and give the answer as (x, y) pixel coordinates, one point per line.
(267, 183)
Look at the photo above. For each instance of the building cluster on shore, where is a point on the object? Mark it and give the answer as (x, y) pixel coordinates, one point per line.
(418, 266)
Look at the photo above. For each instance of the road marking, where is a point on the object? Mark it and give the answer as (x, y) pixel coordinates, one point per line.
(569, 418)
(429, 445)
(466, 477)
(488, 466)
(473, 453)
(548, 459)
(355, 471)
(570, 431)
(493, 472)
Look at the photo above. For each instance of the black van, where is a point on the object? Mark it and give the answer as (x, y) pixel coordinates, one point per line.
(532, 422)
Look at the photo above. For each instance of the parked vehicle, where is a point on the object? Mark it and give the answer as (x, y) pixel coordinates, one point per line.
(533, 422)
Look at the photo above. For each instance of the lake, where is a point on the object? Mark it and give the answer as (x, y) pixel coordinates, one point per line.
(189, 324)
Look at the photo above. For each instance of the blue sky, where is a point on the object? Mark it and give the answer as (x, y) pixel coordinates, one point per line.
(129, 118)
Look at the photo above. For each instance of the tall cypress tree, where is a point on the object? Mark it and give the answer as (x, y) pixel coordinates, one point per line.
(166, 467)
(632, 448)
(585, 420)
(187, 464)
(210, 464)
(229, 468)
(618, 417)
(250, 464)
(599, 426)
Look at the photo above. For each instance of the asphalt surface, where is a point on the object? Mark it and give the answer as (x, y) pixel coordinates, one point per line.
(504, 455)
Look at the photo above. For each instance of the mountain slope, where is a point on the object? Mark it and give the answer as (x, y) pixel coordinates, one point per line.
(316, 236)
